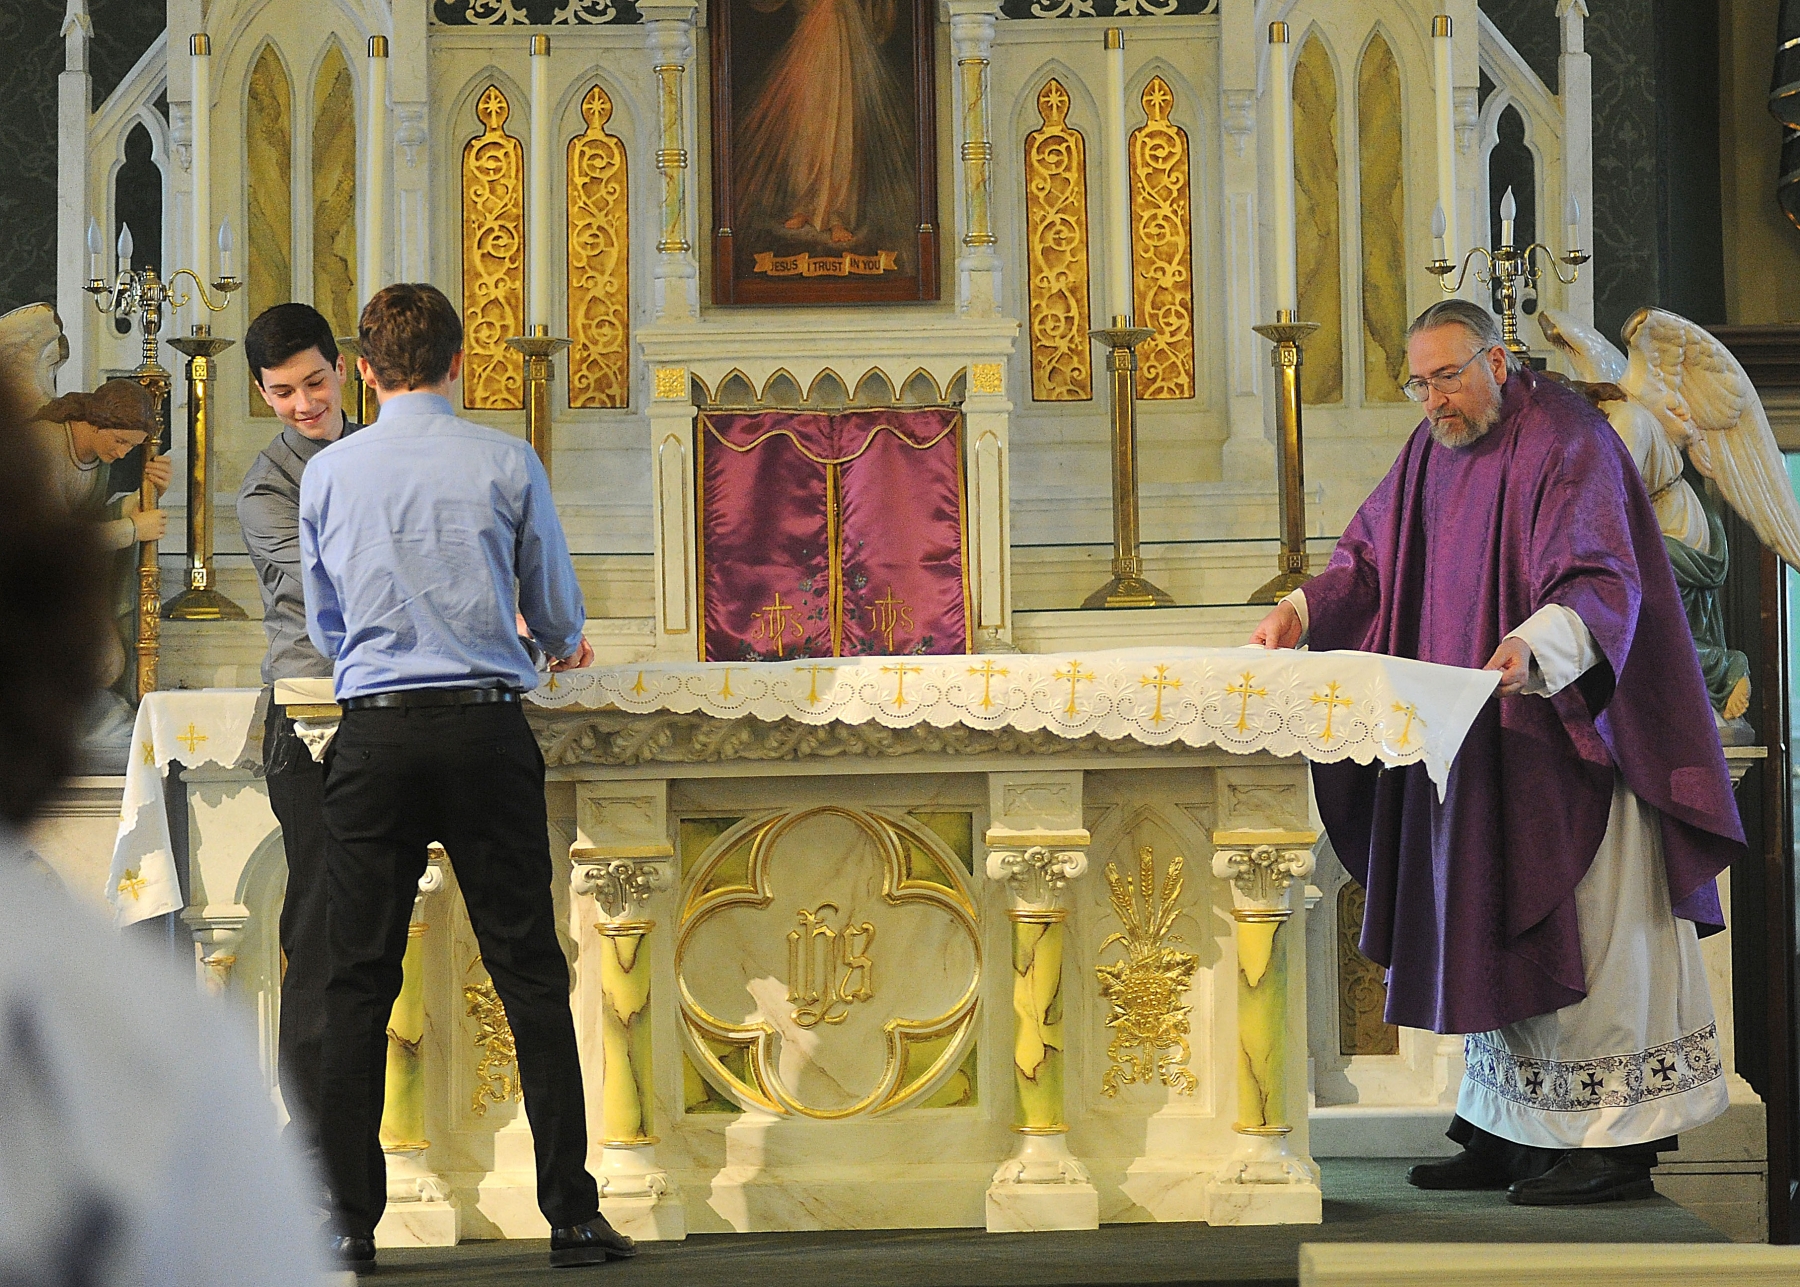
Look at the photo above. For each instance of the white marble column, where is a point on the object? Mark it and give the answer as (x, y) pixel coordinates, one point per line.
(623, 858)
(1036, 845)
(674, 514)
(675, 272)
(74, 93)
(1268, 1180)
(409, 83)
(1249, 455)
(1575, 80)
(978, 283)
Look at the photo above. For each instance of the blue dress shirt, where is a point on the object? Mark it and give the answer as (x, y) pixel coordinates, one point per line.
(419, 538)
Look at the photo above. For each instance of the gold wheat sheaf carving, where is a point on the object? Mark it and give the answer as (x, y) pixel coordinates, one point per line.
(1056, 248)
(493, 260)
(599, 262)
(1145, 990)
(1161, 248)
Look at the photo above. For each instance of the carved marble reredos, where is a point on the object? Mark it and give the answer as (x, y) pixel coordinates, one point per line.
(616, 738)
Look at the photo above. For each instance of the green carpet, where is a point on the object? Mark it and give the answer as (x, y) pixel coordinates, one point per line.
(1366, 1200)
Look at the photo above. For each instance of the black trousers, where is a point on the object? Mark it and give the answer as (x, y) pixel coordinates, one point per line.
(1528, 1161)
(296, 785)
(470, 778)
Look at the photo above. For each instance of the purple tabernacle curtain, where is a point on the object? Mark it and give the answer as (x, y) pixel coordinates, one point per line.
(832, 535)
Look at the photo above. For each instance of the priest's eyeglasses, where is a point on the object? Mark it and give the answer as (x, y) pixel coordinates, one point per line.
(1417, 387)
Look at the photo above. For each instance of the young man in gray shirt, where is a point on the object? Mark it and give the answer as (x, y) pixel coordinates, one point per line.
(297, 370)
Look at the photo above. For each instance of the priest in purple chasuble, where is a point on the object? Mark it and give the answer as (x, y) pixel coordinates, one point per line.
(1550, 905)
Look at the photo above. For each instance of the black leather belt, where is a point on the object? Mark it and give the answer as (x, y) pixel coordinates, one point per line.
(408, 697)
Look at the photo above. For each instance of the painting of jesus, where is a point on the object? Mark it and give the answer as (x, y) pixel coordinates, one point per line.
(823, 151)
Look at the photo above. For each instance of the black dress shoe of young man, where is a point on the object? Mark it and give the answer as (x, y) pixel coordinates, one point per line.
(350, 1252)
(1467, 1170)
(588, 1244)
(1585, 1176)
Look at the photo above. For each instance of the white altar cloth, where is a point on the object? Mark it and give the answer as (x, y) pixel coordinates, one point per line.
(194, 726)
(1325, 706)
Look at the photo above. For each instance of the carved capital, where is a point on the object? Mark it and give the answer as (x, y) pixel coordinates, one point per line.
(1240, 117)
(181, 133)
(1466, 106)
(1262, 866)
(1036, 875)
(409, 130)
(621, 886)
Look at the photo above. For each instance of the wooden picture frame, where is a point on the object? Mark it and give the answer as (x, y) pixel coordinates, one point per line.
(792, 122)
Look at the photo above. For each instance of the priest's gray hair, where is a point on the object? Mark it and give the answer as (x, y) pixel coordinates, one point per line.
(1482, 326)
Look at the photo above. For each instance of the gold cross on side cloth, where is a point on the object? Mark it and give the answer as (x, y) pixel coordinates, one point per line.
(192, 738)
(133, 884)
(1411, 712)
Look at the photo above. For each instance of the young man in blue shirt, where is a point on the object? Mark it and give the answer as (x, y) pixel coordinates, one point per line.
(423, 539)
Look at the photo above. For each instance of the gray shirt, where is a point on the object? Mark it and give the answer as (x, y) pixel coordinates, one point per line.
(268, 509)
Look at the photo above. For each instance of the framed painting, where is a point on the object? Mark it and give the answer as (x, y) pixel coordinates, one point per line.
(824, 151)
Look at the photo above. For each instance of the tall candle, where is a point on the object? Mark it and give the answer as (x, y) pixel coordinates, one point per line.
(1281, 168)
(1118, 185)
(537, 204)
(200, 166)
(374, 269)
(1445, 104)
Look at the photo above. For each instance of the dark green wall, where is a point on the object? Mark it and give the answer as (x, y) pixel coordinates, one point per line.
(30, 33)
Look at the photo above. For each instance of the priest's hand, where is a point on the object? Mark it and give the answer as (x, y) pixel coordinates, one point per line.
(1280, 629)
(1513, 660)
(580, 659)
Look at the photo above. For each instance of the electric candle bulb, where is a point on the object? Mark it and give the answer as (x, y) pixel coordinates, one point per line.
(226, 244)
(94, 250)
(124, 248)
(1439, 226)
(1573, 219)
(1509, 211)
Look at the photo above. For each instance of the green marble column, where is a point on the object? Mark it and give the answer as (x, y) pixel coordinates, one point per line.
(1038, 1021)
(1262, 1024)
(403, 1117)
(627, 1098)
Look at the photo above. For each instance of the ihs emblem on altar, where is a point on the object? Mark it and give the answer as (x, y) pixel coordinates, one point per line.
(828, 970)
(1145, 989)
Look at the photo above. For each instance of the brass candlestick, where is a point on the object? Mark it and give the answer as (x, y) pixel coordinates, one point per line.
(359, 398)
(1509, 266)
(1286, 334)
(143, 293)
(1127, 588)
(201, 601)
(539, 348)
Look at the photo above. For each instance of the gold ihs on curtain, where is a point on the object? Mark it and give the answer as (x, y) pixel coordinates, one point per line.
(599, 262)
(493, 170)
(1056, 251)
(1161, 247)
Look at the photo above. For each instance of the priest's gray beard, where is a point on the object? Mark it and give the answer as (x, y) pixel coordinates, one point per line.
(1455, 429)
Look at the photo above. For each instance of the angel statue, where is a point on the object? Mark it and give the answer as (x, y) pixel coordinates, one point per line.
(1681, 391)
(79, 435)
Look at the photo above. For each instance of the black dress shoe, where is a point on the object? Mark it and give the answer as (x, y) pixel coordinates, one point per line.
(1467, 1170)
(1585, 1176)
(588, 1244)
(353, 1253)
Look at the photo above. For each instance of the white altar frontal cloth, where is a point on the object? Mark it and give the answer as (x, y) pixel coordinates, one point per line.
(196, 727)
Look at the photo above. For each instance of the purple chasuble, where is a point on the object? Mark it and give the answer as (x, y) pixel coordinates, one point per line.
(1471, 901)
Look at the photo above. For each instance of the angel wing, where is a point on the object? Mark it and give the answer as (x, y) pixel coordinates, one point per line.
(1594, 358)
(32, 346)
(1699, 393)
